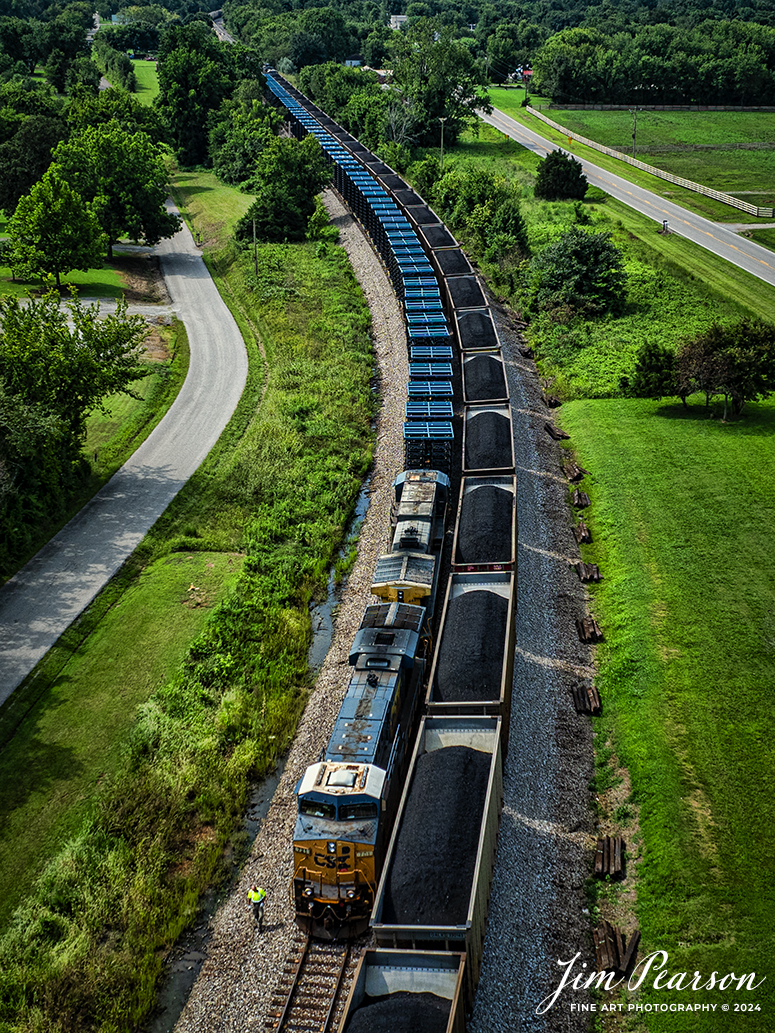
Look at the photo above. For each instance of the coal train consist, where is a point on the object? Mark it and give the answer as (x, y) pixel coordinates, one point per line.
(397, 825)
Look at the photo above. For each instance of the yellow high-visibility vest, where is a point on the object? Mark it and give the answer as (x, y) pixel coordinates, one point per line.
(257, 896)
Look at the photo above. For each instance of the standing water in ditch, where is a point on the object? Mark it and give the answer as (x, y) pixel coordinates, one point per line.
(186, 959)
(322, 615)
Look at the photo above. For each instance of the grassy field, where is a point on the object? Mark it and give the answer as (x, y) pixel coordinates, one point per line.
(682, 519)
(674, 286)
(510, 102)
(147, 81)
(676, 140)
(71, 740)
(152, 809)
(95, 283)
(211, 208)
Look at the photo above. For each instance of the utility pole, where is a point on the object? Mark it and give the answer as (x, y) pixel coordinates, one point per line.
(442, 119)
(634, 113)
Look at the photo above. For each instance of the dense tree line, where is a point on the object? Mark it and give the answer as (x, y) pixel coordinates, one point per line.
(735, 361)
(116, 64)
(716, 62)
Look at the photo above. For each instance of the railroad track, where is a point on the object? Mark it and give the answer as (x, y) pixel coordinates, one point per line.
(308, 997)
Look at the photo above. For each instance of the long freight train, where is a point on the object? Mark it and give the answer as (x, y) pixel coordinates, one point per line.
(399, 830)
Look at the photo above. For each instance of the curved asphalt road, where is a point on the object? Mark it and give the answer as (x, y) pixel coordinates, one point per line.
(39, 603)
(713, 237)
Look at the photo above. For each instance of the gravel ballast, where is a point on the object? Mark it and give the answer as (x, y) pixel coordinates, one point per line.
(485, 379)
(470, 662)
(430, 879)
(488, 442)
(401, 1013)
(484, 531)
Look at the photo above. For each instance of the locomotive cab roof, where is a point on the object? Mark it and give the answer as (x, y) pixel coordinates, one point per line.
(332, 778)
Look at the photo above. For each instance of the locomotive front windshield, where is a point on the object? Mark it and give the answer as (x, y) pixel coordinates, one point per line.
(353, 811)
(316, 809)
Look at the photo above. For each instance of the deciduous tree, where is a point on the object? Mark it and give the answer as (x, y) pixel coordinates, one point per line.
(288, 175)
(53, 230)
(195, 76)
(583, 271)
(26, 156)
(64, 358)
(123, 174)
(441, 78)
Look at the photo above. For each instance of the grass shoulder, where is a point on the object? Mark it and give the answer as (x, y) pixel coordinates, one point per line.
(680, 530)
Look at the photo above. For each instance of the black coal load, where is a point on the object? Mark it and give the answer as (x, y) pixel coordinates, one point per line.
(408, 198)
(401, 1013)
(485, 380)
(470, 660)
(393, 182)
(488, 442)
(465, 292)
(484, 531)
(476, 330)
(438, 236)
(432, 872)
(453, 262)
(422, 215)
(380, 169)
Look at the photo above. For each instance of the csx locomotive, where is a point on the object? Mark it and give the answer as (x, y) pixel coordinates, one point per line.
(347, 801)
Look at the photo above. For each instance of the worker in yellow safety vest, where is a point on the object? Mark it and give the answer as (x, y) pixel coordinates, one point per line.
(257, 898)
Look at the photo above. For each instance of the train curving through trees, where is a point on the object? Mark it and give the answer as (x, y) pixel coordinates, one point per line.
(397, 822)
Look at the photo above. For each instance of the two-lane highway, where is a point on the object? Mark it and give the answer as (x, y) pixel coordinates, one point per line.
(721, 241)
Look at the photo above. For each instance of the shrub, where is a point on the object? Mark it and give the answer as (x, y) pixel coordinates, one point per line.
(580, 270)
(560, 178)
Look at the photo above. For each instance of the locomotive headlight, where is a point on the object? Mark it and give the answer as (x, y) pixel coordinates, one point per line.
(308, 891)
(351, 894)
(331, 847)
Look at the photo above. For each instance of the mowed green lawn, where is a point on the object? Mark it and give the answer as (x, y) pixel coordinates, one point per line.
(683, 523)
(731, 170)
(147, 81)
(71, 738)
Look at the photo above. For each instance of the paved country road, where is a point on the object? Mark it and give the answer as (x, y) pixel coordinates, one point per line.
(40, 602)
(710, 235)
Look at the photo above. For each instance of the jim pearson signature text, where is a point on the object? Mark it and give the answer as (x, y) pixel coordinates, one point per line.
(652, 967)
